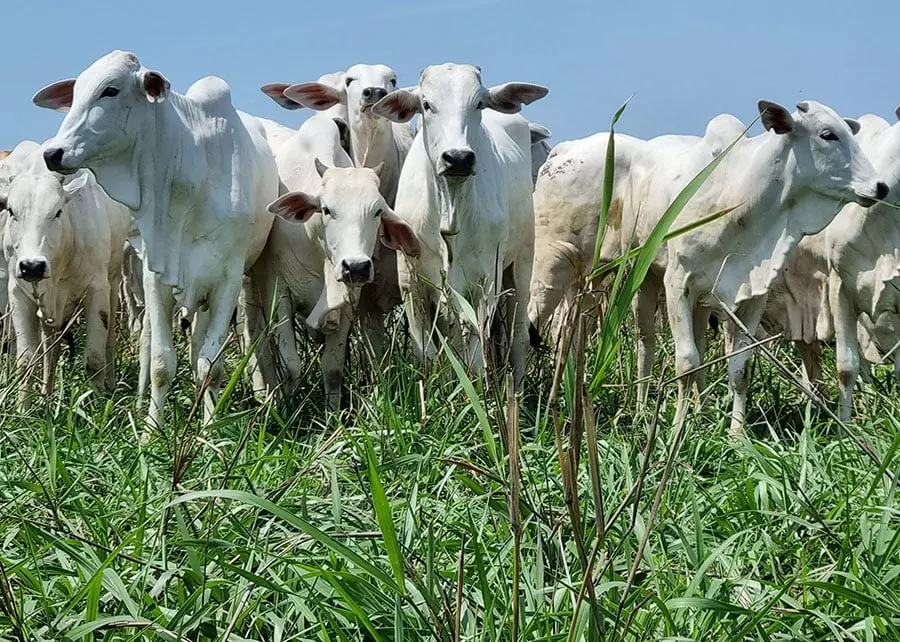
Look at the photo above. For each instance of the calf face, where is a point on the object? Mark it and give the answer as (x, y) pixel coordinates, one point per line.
(450, 99)
(104, 104)
(354, 217)
(35, 229)
(826, 157)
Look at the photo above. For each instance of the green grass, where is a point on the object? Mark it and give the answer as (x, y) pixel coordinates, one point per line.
(386, 525)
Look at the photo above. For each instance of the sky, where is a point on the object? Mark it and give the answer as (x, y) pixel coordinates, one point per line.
(685, 62)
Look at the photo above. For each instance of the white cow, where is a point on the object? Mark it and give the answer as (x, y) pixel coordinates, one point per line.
(63, 245)
(845, 281)
(196, 174)
(785, 184)
(373, 142)
(465, 190)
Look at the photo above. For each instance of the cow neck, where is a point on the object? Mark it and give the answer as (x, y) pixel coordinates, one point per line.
(372, 142)
(165, 152)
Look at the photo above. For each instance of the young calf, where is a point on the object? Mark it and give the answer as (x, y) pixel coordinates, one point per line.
(63, 244)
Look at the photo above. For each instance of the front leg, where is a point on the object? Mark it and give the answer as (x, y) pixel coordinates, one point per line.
(749, 314)
(687, 357)
(158, 325)
(210, 360)
(28, 340)
(98, 320)
(333, 357)
(847, 344)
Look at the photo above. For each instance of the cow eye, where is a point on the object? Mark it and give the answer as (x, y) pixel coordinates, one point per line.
(828, 135)
(426, 105)
(109, 92)
(480, 104)
(379, 213)
(347, 82)
(11, 213)
(393, 82)
(326, 211)
(58, 214)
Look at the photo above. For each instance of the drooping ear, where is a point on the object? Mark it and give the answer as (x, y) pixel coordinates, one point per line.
(538, 132)
(378, 169)
(321, 168)
(294, 207)
(509, 98)
(775, 117)
(275, 91)
(4, 153)
(397, 235)
(155, 86)
(853, 125)
(399, 106)
(72, 187)
(315, 95)
(57, 96)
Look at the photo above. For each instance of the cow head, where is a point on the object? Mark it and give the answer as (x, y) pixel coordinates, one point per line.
(826, 157)
(450, 99)
(37, 206)
(354, 217)
(104, 122)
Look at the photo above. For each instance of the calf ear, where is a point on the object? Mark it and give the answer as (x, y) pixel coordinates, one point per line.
(275, 91)
(315, 95)
(853, 125)
(73, 186)
(321, 168)
(155, 86)
(538, 133)
(510, 97)
(294, 207)
(397, 235)
(399, 106)
(57, 96)
(775, 117)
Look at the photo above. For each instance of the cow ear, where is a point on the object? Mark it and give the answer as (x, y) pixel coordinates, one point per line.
(321, 168)
(509, 98)
(397, 235)
(315, 95)
(72, 187)
(57, 96)
(399, 106)
(538, 133)
(275, 91)
(294, 207)
(853, 125)
(4, 153)
(155, 86)
(775, 117)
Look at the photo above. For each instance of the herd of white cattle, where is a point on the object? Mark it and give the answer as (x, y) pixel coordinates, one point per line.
(173, 204)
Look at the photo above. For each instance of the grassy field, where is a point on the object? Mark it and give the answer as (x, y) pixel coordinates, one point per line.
(403, 518)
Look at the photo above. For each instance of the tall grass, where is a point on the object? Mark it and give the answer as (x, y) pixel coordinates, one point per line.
(438, 508)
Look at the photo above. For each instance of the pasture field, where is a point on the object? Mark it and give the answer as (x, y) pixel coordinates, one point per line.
(394, 521)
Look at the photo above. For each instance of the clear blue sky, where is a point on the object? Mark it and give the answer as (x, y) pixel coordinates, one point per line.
(684, 61)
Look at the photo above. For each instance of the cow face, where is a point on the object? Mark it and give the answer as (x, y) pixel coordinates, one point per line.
(37, 207)
(826, 157)
(364, 86)
(104, 103)
(450, 99)
(354, 217)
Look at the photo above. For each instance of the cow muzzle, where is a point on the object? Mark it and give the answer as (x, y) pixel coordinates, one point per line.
(457, 164)
(53, 159)
(356, 271)
(33, 270)
(371, 95)
(868, 200)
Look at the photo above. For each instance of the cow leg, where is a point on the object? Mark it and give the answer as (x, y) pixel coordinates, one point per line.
(28, 341)
(687, 357)
(810, 354)
(210, 366)
(847, 343)
(333, 356)
(261, 363)
(750, 314)
(518, 301)
(114, 286)
(160, 308)
(51, 347)
(701, 322)
(372, 328)
(644, 308)
(98, 319)
(144, 362)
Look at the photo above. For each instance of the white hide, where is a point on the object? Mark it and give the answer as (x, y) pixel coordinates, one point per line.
(63, 248)
(465, 190)
(196, 174)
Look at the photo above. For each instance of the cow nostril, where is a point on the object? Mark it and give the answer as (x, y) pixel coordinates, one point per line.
(881, 191)
(32, 269)
(53, 158)
(366, 92)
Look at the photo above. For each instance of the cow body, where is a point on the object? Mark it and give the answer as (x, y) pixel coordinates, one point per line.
(63, 245)
(196, 174)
